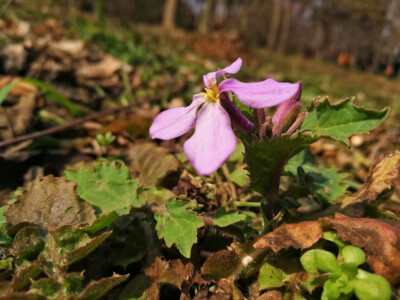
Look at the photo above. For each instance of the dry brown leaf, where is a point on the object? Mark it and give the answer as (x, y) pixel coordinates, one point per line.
(380, 241)
(300, 236)
(381, 177)
(50, 202)
(103, 69)
(152, 162)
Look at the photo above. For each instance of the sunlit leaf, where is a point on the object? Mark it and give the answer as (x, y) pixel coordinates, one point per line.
(300, 236)
(342, 120)
(50, 202)
(108, 187)
(223, 218)
(178, 226)
(381, 177)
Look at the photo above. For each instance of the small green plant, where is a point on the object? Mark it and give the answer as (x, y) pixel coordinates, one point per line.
(105, 139)
(344, 276)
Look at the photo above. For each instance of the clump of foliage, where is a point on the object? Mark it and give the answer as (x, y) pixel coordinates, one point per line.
(86, 233)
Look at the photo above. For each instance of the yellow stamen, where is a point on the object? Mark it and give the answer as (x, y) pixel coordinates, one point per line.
(213, 93)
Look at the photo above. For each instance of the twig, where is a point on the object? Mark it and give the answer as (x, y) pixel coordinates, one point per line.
(59, 128)
(5, 7)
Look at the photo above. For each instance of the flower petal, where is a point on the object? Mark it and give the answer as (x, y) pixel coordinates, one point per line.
(213, 140)
(232, 69)
(176, 121)
(260, 94)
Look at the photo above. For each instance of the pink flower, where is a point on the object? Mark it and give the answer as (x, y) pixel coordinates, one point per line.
(214, 140)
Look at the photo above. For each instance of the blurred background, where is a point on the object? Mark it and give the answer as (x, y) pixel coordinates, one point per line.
(88, 56)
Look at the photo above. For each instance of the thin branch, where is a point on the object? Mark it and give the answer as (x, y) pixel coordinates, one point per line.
(59, 128)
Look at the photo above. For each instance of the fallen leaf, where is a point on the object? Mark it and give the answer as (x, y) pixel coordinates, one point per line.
(50, 202)
(103, 69)
(152, 162)
(381, 177)
(300, 236)
(380, 241)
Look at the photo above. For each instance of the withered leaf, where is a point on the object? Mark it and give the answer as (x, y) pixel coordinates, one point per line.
(153, 163)
(300, 236)
(221, 264)
(50, 202)
(381, 178)
(380, 241)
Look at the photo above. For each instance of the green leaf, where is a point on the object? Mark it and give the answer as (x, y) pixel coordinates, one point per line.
(239, 176)
(153, 163)
(107, 188)
(6, 264)
(96, 289)
(46, 287)
(29, 242)
(370, 286)
(178, 226)
(55, 96)
(331, 290)
(352, 254)
(50, 202)
(341, 121)
(5, 90)
(223, 218)
(331, 236)
(158, 196)
(266, 159)
(325, 184)
(317, 259)
(271, 277)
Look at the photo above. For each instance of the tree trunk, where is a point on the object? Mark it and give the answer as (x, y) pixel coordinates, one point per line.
(275, 22)
(169, 13)
(286, 23)
(205, 20)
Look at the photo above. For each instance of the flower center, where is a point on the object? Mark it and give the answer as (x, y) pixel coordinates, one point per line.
(213, 93)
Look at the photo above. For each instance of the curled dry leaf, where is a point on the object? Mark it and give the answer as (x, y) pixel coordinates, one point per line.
(50, 202)
(381, 177)
(300, 236)
(380, 241)
(104, 69)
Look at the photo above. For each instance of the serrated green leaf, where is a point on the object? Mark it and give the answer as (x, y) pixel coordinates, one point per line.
(28, 243)
(46, 287)
(342, 120)
(72, 283)
(101, 222)
(50, 203)
(178, 226)
(271, 277)
(73, 245)
(24, 276)
(96, 289)
(317, 259)
(108, 188)
(266, 159)
(223, 218)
